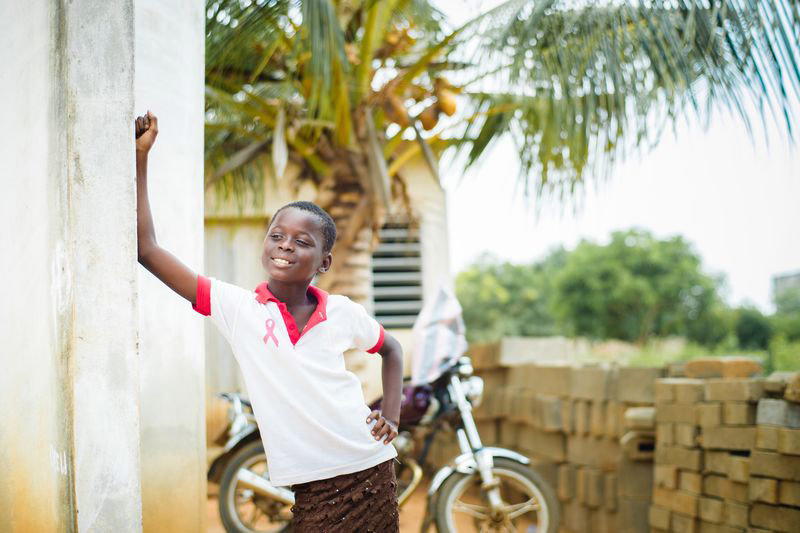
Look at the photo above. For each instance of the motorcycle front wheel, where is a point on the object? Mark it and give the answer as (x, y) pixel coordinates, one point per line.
(530, 504)
(241, 509)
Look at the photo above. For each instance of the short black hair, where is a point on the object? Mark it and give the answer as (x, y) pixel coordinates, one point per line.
(328, 225)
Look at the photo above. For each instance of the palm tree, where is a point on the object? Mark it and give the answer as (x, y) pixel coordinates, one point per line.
(336, 86)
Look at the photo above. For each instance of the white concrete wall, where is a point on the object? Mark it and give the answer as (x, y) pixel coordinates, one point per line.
(170, 82)
(35, 433)
(69, 446)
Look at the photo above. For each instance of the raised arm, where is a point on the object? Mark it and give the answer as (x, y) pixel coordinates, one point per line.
(153, 257)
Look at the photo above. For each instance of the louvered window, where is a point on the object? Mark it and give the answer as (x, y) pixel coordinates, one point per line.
(397, 276)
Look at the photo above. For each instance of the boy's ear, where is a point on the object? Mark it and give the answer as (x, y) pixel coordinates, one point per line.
(326, 263)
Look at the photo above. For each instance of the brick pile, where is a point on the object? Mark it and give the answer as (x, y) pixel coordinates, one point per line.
(725, 451)
(571, 422)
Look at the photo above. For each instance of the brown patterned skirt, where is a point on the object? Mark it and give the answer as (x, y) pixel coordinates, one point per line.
(364, 501)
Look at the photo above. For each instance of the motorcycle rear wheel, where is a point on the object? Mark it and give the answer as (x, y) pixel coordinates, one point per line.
(460, 506)
(235, 501)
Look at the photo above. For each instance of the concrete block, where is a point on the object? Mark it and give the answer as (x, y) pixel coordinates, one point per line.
(789, 493)
(665, 433)
(773, 412)
(792, 392)
(736, 514)
(711, 509)
(568, 416)
(775, 384)
(493, 378)
(734, 490)
(728, 438)
(690, 481)
(542, 444)
(615, 419)
(636, 384)
(603, 522)
(634, 479)
(789, 441)
(675, 412)
(739, 413)
(509, 432)
(775, 465)
(550, 379)
(778, 518)
(767, 437)
(581, 485)
(708, 414)
(597, 418)
(716, 461)
(566, 482)
(659, 518)
(665, 476)
(722, 367)
(739, 468)
(601, 453)
(737, 390)
(664, 390)
(632, 515)
(708, 527)
(581, 412)
(689, 390)
(685, 458)
(763, 489)
(714, 485)
(686, 435)
(575, 517)
(684, 524)
(640, 418)
(594, 486)
(663, 497)
(610, 490)
(590, 383)
(685, 503)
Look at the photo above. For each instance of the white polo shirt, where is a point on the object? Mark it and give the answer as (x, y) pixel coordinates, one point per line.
(309, 407)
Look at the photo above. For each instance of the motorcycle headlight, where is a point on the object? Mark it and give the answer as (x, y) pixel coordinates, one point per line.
(473, 390)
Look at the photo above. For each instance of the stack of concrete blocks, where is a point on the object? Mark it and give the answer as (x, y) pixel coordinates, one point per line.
(570, 422)
(774, 488)
(724, 453)
(605, 483)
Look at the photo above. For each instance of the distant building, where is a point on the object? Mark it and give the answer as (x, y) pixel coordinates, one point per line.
(783, 282)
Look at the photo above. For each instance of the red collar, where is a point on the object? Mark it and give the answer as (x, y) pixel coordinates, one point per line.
(264, 295)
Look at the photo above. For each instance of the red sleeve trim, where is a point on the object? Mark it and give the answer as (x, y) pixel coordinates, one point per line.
(378, 344)
(203, 305)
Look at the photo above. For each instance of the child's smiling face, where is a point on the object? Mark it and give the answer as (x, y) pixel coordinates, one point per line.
(294, 247)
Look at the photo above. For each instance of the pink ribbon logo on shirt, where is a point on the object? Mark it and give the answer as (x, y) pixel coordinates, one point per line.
(270, 332)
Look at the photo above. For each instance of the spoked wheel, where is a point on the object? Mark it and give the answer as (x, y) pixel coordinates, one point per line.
(530, 504)
(243, 510)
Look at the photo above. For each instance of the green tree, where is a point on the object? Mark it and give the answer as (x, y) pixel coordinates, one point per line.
(337, 85)
(633, 288)
(753, 329)
(503, 299)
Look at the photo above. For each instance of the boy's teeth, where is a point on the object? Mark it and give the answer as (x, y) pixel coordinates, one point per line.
(281, 261)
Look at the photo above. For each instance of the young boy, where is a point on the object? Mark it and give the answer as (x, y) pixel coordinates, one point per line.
(289, 338)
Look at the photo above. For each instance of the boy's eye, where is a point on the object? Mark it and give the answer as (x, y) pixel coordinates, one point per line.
(275, 236)
(303, 243)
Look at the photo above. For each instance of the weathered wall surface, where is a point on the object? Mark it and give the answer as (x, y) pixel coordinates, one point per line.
(69, 447)
(35, 451)
(169, 82)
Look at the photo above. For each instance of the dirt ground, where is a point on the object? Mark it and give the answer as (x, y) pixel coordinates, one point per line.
(411, 514)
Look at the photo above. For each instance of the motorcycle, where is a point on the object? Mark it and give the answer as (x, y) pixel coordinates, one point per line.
(483, 489)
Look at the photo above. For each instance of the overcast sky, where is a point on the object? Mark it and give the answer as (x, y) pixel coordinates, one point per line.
(734, 198)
